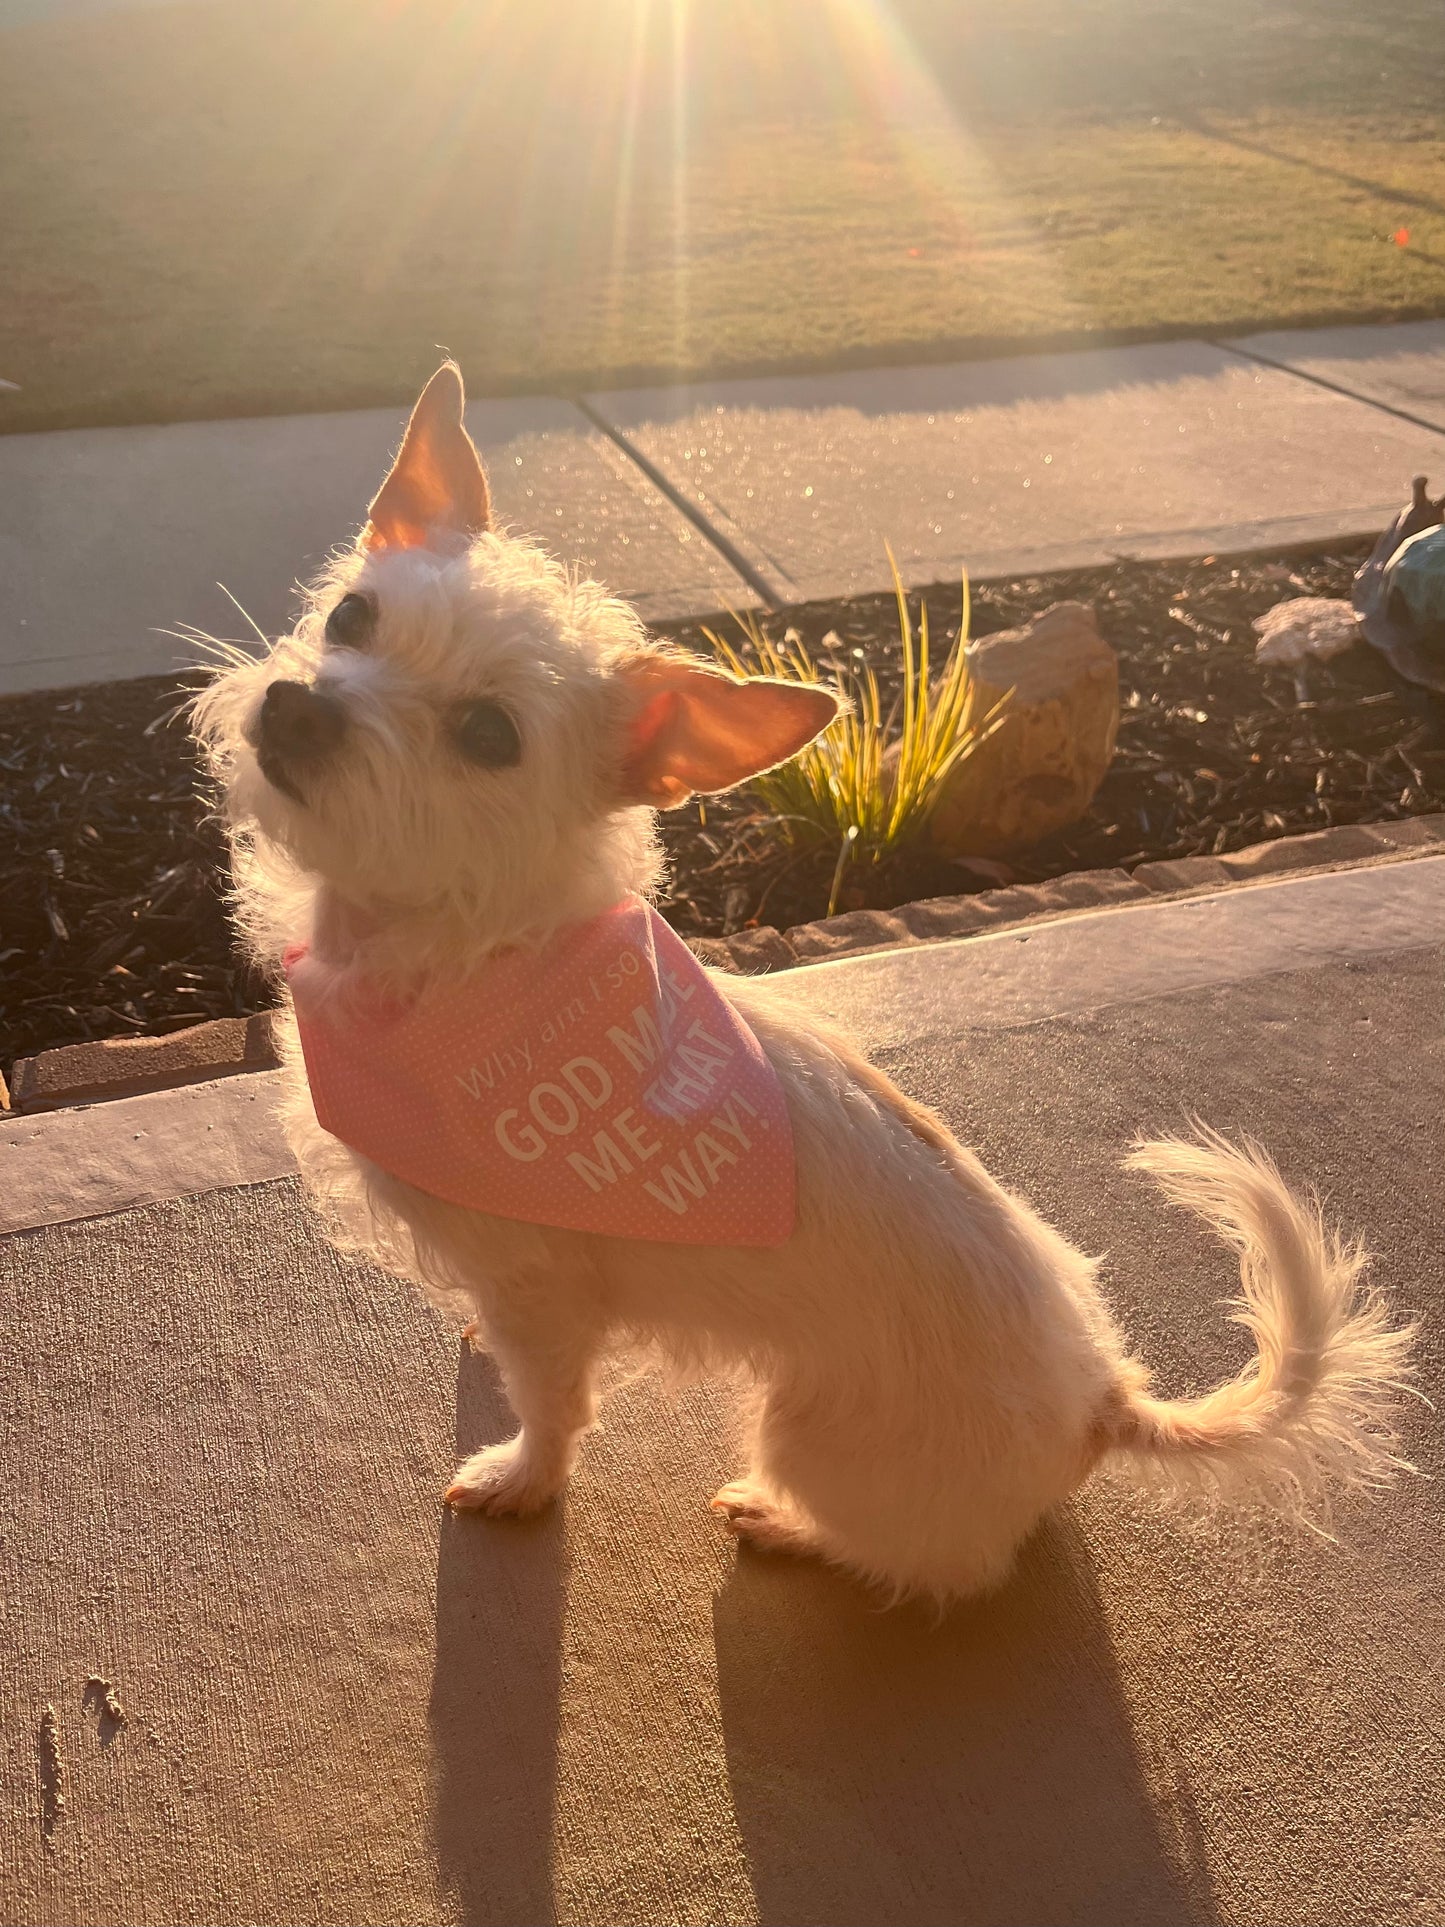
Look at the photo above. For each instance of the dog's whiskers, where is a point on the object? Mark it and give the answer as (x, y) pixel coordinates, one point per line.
(244, 613)
(225, 652)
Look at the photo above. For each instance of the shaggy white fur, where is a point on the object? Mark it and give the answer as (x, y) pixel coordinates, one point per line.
(930, 1366)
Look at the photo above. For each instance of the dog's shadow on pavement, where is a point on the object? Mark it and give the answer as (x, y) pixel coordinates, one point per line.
(886, 1769)
(494, 1699)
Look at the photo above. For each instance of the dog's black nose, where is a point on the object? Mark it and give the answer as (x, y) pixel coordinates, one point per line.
(300, 723)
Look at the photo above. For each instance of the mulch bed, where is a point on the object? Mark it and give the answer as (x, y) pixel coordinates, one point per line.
(111, 877)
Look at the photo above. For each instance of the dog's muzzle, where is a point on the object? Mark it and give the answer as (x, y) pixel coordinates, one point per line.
(298, 728)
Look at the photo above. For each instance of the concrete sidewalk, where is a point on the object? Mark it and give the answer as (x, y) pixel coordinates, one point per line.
(111, 536)
(1019, 466)
(225, 1446)
(698, 499)
(1401, 367)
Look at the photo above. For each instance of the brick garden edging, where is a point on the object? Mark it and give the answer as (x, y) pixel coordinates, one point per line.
(127, 1066)
(938, 918)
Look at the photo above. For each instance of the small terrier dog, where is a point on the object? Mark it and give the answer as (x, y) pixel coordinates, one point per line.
(441, 790)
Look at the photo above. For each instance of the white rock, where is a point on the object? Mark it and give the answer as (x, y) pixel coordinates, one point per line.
(1306, 625)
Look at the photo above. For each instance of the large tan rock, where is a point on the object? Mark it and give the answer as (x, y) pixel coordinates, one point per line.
(1039, 770)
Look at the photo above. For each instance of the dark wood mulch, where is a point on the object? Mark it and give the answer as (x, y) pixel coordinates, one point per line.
(111, 913)
(111, 873)
(1214, 753)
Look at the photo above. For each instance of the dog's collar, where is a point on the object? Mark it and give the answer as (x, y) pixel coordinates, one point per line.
(602, 1083)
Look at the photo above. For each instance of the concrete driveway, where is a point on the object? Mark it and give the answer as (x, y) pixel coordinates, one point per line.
(224, 1448)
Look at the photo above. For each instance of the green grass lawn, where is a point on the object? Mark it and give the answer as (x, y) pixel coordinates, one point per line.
(213, 210)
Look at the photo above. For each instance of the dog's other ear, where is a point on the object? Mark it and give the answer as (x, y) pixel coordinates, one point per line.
(437, 486)
(690, 729)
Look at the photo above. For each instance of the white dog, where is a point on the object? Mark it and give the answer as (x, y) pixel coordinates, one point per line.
(442, 790)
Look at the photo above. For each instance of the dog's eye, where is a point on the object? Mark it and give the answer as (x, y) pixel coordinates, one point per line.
(352, 622)
(486, 734)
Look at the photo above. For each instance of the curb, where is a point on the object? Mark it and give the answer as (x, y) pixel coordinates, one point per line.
(78, 1074)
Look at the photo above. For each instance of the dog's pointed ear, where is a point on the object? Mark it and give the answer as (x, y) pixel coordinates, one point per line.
(692, 729)
(437, 489)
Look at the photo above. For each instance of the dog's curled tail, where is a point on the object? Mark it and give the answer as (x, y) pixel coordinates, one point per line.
(1316, 1408)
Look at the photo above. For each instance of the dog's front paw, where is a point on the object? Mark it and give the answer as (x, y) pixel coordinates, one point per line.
(504, 1481)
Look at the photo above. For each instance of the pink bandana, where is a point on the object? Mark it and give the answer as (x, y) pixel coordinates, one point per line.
(600, 1085)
